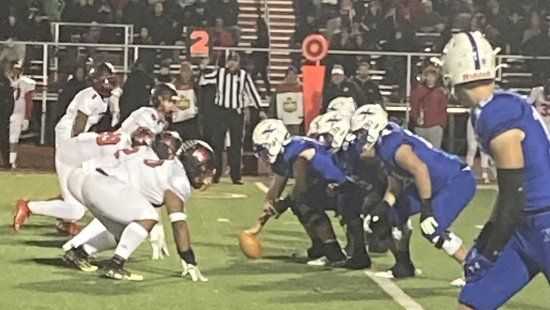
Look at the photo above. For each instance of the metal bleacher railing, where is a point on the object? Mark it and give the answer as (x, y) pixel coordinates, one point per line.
(45, 68)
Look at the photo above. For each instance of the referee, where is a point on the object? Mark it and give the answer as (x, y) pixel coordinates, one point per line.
(232, 85)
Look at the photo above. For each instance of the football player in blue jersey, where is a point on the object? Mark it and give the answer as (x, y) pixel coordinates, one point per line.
(433, 183)
(514, 245)
(312, 166)
(365, 188)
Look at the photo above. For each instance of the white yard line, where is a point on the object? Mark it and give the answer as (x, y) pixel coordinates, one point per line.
(386, 285)
(261, 186)
(395, 292)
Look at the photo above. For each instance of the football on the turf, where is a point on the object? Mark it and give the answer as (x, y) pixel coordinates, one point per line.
(250, 245)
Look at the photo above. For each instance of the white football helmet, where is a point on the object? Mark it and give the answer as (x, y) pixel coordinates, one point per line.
(269, 137)
(333, 129)
(368, 122)
(468, 57)
(313, 129)
(344, 105)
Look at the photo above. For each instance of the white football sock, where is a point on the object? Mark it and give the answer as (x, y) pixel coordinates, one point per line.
(13, 157)
(132, 236)
(88, 233)
(58, 209)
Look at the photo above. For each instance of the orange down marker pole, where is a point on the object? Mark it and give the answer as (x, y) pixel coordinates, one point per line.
(314, 49)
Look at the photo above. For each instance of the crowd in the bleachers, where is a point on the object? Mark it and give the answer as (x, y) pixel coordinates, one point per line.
(154, 21)
(517, 26)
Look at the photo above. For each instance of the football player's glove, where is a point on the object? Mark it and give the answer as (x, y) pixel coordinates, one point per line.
(193, 272)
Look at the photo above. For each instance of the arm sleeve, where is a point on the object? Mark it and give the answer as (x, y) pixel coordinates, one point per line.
(85, 105)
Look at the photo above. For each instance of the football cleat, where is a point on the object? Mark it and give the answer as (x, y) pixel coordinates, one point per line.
(118, 273)
(22, 213)
(78, 260)
(319, 262)
(68, 228)
(399, 271)
(460, 282)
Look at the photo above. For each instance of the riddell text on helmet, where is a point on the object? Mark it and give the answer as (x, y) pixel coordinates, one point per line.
(469, 76)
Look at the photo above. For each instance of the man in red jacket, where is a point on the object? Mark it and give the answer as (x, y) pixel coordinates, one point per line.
(429, 107)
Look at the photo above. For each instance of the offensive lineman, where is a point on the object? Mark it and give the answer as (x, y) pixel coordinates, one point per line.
(433, 183)
(22, 110)
(124, 221)
(513, 246)
(309, 163)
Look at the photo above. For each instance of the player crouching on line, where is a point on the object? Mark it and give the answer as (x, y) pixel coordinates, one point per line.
(124, 221)
(310, 164)
(435, 184)
(514, 245)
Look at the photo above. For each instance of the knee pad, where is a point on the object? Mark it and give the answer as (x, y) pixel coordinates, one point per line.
(448, 241)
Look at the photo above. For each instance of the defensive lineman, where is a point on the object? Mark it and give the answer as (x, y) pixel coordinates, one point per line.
(514, 245)
(145, 180)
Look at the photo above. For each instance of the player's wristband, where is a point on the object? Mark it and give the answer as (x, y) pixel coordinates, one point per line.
(188, 256)
(426, 208)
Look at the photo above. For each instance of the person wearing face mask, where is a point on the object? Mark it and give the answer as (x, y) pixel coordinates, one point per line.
(429, 107)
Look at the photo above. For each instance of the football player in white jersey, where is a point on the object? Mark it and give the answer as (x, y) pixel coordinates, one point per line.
(164, 100)
(19, 120)
(146, 181)
(71, 155)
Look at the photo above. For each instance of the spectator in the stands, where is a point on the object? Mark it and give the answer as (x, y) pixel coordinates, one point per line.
(306, 28)
(496, 15)
(429, 20)
(513, 31)
(261, 59)
(164, 75)
(429, 107)
(371, 21)
(223, 38)
(538, 45)
(134, 13)
(228, 10)
(75, 83)
(199, 14)
(478, 22)
(186, 121)
(534, 28)
(137, 89)
(51, 8)
(160, 26)
(6, 109)
(347, 13)
(339, 86)
(104, 13)
(13, 28)
(85, 12)
(144, 38)
(369, 90)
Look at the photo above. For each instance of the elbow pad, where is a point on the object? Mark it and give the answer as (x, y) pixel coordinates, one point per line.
(506, 214)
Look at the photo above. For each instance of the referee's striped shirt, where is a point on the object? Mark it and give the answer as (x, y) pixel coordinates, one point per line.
(232, 89)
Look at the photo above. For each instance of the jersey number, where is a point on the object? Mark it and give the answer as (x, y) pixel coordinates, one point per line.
(128, 151)
(108, 138)
(153, 163)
